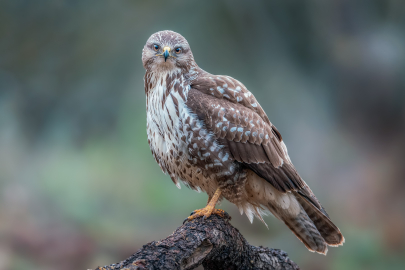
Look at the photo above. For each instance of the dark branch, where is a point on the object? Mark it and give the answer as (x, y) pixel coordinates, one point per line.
(214, 243)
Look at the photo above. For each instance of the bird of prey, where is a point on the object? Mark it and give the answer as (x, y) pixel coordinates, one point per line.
(209, 132)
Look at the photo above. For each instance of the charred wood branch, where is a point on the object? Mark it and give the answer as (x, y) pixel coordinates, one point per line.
(213, 243)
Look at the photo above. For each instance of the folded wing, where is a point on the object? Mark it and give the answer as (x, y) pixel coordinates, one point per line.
(237, 120)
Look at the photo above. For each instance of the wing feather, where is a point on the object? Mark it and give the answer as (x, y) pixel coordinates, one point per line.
(235, 118)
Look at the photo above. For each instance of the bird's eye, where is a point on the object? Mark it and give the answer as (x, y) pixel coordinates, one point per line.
(178, 50)
(156, 47)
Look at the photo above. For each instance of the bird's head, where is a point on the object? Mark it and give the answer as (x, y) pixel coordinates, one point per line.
(167, 50)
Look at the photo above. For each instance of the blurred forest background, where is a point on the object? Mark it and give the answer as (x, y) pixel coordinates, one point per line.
(78, 185)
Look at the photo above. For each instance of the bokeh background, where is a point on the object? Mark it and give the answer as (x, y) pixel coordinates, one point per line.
(78, 185)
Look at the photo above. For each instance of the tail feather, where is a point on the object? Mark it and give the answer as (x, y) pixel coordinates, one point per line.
(299, 210)
(303, 227)
(325, 226)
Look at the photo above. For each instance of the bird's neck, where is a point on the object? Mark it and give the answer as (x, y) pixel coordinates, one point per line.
(158, 77)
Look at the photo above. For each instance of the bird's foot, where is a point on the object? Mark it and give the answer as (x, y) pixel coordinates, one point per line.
(206, 212)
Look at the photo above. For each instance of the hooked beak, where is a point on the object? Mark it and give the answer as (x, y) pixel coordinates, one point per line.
(166, 51)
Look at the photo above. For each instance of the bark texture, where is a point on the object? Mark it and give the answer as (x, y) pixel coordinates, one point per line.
(213, 243)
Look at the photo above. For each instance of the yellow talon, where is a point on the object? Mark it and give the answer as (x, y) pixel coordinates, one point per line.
(207, 211)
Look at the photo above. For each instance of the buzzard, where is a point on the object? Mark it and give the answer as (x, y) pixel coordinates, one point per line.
(209, 132)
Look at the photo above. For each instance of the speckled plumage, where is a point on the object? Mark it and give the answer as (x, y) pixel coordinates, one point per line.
(209, 131)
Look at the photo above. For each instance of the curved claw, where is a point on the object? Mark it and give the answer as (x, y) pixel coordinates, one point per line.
(206, 213)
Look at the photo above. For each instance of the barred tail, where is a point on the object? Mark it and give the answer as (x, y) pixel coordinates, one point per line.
(300, 210)
(319, 217)
(303, 227)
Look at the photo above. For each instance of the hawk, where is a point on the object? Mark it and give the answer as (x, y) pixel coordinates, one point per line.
(209, 132)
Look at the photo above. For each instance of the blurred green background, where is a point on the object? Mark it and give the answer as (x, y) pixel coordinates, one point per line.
(78, 185)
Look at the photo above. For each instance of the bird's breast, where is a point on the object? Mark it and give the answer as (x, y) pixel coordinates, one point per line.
(165, 112)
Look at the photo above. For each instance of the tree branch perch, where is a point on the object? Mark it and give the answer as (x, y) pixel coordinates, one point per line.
(214, 243)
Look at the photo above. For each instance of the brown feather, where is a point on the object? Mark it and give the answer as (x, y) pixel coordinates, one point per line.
(234, 151)
(320, 218)
(302, 226)
(267, 158)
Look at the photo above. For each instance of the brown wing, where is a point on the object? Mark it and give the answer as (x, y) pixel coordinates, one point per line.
(236, 119)
(228, 88)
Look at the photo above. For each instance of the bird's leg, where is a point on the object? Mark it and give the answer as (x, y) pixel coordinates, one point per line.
(209, 199)
(209, 209)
